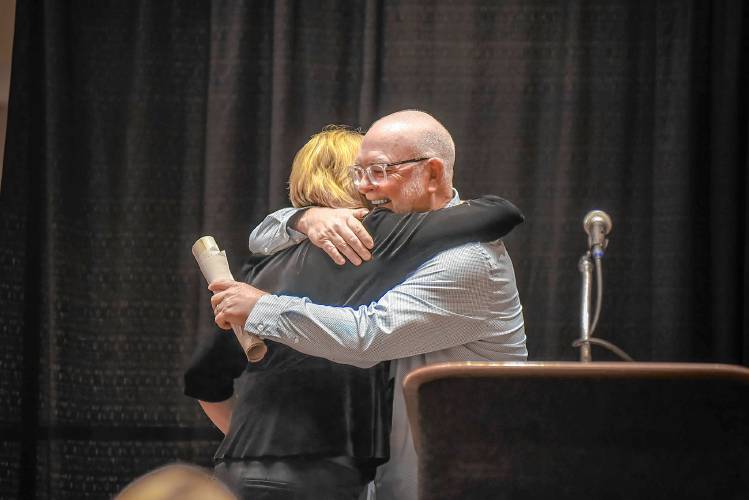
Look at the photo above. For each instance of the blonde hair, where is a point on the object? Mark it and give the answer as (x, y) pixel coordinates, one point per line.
(319, 173)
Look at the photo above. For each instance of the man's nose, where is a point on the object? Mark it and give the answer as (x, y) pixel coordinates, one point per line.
(365, 185)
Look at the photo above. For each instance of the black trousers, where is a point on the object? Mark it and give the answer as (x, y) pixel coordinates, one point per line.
(296, 478)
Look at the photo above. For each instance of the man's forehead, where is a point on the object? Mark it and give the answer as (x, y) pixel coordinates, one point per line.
(382, 145)
(369, 155)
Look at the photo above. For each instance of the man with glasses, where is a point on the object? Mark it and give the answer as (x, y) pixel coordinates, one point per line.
(462, 305)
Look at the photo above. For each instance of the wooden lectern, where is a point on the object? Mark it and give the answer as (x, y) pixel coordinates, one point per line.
(580, 430)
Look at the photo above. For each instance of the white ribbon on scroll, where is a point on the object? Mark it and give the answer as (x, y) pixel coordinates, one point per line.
(214, 266)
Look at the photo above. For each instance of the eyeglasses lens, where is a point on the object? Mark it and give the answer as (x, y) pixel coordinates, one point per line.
(376, 174)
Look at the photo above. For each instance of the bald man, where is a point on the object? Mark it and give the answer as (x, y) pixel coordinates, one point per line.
(462, 305)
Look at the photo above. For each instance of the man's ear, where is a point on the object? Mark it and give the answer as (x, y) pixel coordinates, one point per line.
(436, 169)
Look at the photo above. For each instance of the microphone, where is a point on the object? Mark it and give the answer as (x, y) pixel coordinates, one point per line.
(597, 224)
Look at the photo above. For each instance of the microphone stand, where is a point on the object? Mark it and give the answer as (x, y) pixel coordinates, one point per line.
(585, 266)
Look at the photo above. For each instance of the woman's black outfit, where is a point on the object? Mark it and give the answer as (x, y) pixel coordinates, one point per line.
(306, 427)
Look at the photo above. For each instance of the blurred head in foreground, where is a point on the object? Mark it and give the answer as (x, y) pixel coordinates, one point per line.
(176, 482)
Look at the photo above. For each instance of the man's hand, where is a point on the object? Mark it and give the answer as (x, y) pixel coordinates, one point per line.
(337, 231)
(232, 302)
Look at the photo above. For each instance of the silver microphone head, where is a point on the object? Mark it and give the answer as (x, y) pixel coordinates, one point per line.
(597, 217)
(597, 224)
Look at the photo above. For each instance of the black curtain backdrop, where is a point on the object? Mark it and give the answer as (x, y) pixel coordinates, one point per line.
(136, 127)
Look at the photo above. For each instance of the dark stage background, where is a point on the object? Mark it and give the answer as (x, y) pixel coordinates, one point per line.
(136, 127)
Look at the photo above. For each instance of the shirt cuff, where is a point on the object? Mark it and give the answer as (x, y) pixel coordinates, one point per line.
(263, 319)
(295, 235)
(273, 235)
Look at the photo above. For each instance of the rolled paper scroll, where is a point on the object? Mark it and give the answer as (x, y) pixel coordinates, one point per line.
(214, 266)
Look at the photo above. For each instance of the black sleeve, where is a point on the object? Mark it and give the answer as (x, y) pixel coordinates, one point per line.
(216, 362)
(484, 219)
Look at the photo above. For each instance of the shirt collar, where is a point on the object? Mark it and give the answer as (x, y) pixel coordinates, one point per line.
(455, 200)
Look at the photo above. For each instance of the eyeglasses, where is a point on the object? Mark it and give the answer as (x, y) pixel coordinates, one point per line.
(377, 173)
